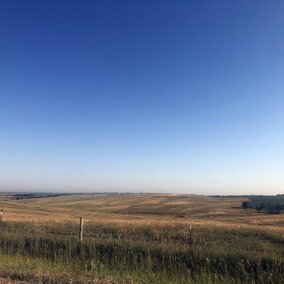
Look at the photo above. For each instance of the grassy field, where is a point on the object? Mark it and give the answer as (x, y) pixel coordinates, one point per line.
(142, 238)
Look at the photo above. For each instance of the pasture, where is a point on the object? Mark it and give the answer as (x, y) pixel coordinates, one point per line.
(139, 238)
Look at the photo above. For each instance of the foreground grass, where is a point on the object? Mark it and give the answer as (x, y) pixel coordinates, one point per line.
(123, 253)
(138, 267)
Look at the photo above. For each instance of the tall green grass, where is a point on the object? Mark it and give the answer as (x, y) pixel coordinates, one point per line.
(149, 254)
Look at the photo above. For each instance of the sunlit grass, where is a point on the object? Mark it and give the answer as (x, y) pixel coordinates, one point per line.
(144, 253)
(39, 241)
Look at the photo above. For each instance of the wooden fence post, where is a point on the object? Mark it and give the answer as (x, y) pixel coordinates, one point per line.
(81, 229)
(190, 236)
(1, 215)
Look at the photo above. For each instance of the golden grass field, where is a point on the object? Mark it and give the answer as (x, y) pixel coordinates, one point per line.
(132, 223)
(161, 208)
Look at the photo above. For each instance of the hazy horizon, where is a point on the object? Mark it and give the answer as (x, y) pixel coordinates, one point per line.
(163, 96)
(122, 192)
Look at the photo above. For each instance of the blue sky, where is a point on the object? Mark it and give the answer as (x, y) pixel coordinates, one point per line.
(165, 96)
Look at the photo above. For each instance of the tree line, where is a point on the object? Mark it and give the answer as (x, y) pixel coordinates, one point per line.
(266, 204)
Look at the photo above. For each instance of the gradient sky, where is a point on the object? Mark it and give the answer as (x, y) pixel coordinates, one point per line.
(167, 96)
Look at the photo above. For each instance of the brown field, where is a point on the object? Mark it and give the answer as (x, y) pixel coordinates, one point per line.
(221, 229)
(165, 208)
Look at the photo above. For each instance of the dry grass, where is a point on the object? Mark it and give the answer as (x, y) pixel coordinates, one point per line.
(146, 208)
(10, 281)
(151, 230)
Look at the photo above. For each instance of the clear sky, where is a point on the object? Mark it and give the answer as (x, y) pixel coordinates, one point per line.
(167, 96)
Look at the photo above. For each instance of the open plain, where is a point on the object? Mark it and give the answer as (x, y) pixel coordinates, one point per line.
(139, 238)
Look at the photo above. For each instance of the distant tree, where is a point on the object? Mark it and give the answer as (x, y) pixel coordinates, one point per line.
(265, 204)
(246, 204)
(259, 208)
